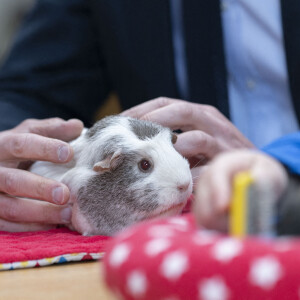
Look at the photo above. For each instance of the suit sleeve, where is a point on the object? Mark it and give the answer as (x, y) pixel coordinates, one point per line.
(55, 67)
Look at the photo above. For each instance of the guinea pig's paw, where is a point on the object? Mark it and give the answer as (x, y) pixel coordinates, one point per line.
(83, 227)
(79, 222)
(87, 233)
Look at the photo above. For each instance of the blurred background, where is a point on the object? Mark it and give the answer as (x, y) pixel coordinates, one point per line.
(12, 13)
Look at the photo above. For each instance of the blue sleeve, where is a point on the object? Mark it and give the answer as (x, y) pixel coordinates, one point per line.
(287, 151)
(55, 67)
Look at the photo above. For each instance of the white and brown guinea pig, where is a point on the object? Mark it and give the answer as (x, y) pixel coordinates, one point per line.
(124, 170)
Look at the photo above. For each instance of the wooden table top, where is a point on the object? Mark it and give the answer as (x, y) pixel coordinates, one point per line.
(69, 281)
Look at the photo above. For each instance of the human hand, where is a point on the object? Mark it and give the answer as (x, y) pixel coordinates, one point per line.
(214, 188)
(19, 147)
(205, 131)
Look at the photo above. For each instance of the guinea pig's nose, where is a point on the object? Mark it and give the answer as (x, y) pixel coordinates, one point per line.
(182, 187)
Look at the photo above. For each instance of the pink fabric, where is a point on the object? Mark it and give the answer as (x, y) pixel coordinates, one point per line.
(173, 259)
(24, 246)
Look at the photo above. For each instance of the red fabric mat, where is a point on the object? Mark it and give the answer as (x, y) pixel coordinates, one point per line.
(29, 246)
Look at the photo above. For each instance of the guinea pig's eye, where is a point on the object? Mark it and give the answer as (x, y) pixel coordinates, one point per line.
(145, 165)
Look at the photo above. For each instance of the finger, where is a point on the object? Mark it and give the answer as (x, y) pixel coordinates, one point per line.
(21, 227)
(186, 116)
(196, 142)
(213, 193)
(222, 171)
(269, 175)
(202, 206)
(54, 128)
(214, 190)
(175, 115)
(220, 223)
(19, 210)
(191, 116)
(149, 106)
(227, 165)
(196, 174)
(28, 146)
(25, 184)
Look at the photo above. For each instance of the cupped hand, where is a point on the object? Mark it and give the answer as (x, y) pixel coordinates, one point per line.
(214, 188)
(205, 131)
(19, 189)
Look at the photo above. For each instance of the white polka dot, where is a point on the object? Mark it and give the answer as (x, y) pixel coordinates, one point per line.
(174, 265)
(137, 283)
(156, 246)
(208, 232)
(265, 272)
(204, 237)
(226, 249)
(213, 289)
(160, 231)
(118, 255)
(181, 224)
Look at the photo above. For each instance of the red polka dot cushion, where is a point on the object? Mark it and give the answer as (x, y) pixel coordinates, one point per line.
(172, 259)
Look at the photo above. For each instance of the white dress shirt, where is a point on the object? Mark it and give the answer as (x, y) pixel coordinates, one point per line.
(259, 97)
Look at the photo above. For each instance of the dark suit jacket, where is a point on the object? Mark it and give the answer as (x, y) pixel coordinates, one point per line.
(71, 53)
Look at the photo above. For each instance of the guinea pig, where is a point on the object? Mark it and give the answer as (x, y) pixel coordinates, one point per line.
(124, 170)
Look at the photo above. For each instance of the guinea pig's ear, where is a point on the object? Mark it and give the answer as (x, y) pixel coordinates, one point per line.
(110, 163)
(174, 138)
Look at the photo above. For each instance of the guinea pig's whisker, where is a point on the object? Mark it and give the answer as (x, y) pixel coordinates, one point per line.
(198, 163)
(195, 177)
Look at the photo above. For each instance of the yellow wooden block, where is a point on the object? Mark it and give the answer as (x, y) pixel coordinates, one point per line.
(238, 208)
